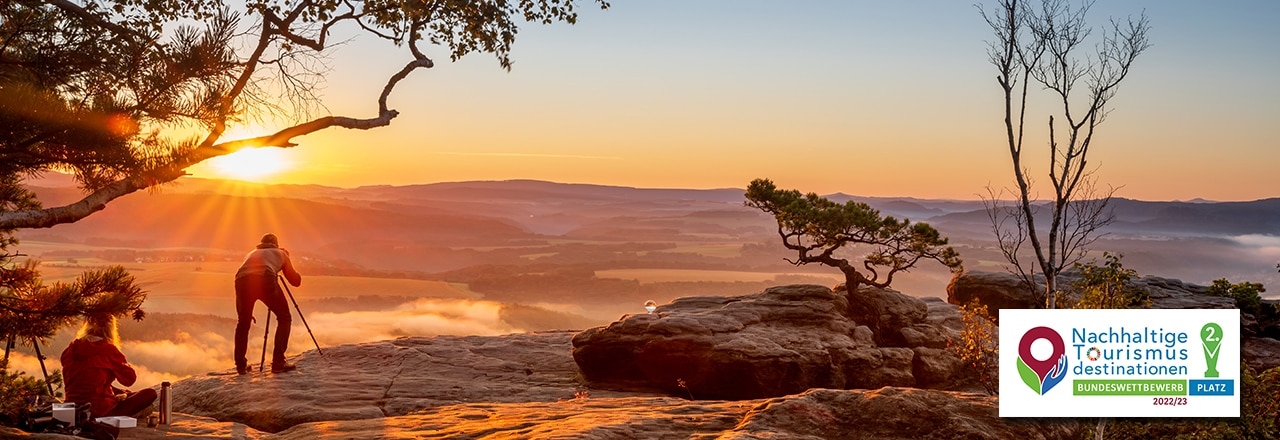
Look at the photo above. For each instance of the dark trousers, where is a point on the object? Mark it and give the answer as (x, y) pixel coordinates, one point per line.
(249, 290)
(133, 404)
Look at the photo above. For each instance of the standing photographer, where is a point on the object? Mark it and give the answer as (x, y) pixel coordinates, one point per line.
(256, 281)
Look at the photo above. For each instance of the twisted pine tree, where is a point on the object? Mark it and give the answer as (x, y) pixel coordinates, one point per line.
(817, 228)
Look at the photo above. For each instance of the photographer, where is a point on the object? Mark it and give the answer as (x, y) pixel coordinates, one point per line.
(256, 281)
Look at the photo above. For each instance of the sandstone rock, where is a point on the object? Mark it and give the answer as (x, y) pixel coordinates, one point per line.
(942, 314)
(890, 413)
(926, 335)
(13, 433)
(782, 341)
(937, 368)
(483, 387)
(999, 290)
(182, 425)
(1260, 353)
(878, 367)
(1167, 293)
(887, 413)
(590, 418)
(885, 311)
(388, 378)
(996, 290)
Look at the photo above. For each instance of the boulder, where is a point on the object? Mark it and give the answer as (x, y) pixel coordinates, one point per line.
(1002, 290)
(1168, 293)
(938, 368)
(781, 341)
(885, 311)
(943, 314)
(1259, 349)
(996, 290)
(1260, 353)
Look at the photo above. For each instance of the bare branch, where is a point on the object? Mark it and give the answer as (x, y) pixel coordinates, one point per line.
(1059, 30)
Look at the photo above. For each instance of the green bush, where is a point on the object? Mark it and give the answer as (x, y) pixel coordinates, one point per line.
(1105, 287)
(1248, 295)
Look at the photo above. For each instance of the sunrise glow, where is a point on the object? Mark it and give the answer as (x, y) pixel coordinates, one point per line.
(250, 164)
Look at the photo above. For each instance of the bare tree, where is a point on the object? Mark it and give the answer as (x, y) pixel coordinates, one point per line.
(1041, 45)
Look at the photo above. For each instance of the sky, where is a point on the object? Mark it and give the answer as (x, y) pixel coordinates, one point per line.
(882, 98)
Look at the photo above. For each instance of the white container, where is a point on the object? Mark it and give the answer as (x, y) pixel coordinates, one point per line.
(65, 412)
(119, 421)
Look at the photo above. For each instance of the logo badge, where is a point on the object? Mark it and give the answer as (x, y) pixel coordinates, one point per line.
(1119, 363)
(1042, 374)
(1211, 341)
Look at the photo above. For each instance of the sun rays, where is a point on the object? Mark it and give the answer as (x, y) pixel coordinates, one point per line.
(238, 217)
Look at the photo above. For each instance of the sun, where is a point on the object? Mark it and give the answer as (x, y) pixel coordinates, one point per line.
(251, 164)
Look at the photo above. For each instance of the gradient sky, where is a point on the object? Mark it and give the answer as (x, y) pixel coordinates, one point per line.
(882, 98)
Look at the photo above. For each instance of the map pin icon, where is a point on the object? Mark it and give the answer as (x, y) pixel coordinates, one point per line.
(1041, 367)
(1211, 341)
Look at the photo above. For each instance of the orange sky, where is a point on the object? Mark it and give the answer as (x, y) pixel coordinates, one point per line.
(866, 98)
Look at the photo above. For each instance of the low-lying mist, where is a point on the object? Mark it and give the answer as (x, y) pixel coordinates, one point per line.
(169, 347)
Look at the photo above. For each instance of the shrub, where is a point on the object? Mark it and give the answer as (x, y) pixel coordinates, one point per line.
(979, 346)
(1106, 286)
(1248, 295)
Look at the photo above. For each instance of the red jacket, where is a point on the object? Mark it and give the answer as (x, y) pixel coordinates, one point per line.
(88, 368)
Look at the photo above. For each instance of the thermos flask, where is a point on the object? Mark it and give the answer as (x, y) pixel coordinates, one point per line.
(165, 403)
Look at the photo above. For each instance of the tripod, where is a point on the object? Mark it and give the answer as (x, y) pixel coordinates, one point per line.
(267, 328)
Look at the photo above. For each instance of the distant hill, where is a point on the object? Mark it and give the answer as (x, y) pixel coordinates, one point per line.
(449, 226)
(235, 222)
(1138, 217)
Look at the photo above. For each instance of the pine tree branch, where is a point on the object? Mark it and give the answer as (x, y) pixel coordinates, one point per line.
(76, 10)
(97, 200)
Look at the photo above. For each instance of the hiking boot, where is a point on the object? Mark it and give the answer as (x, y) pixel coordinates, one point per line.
(282, 367)
(242, 370)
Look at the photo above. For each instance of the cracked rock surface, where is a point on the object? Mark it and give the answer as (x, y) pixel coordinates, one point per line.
(390, 378)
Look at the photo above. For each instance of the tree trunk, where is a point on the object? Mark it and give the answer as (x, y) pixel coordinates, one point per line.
(863, 309)
(1051, 290)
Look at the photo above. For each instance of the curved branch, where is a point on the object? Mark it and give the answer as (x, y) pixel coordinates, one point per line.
(395, 79)
(76, 10)
(96, 201)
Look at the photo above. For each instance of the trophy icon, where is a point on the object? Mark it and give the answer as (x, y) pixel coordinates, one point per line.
(1211, 341)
